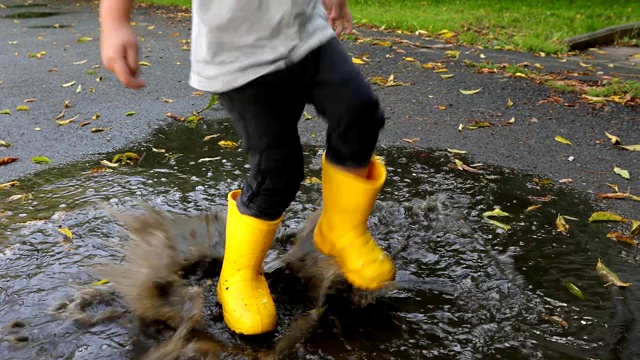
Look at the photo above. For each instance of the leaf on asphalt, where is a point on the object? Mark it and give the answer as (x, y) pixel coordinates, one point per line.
(9, 184)
(594, 99)
(559, 138)
(66, 232)
(95, 116)
(495, 212)
(452, 54)
(84, 123)
(312, 180)
(461, 166)
(227, 144)
(130, 113)
(174, 117)
(502, 226)
(99, 130)
(556, 320)
(80, 62)
(631, 147)
(574, 289)
(511, 121)
(4, 143)
(457, 151)
(614, 139)
(69, 84)
(169, 101)
(617, 195)
(209, 137)
(476, 124)
(126, 158)
(8, 160)
(446, 76)
(470, 92)
(533, 207)
(622, 172)
(143, 63)
(635, 228)
(79, 89)
(210, 159)
(22, 108)
(460, 127)
(622, 238)
(562, 225)
(606, 216)
(108, 164)
(409, 59)
(542, 182)
(355, 60)
(100, 282)
(609, 276)
(509, 103)
(29, 100)
(162, 151)
(84, 39)
(61, 115)
(41, 160)
(306, 116)
(387, 82)
(410, 141)
(5, 112)
(382, 43)
(66, 122)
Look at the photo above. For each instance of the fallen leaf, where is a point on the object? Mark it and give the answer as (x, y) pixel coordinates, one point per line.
(210, 159)
(80, 62)
(460, 127)
(509, 103)
(96, 116)
(306, 116)
(66, 122)
(29, 100)
(8, 160)
(4, 143)
(108, 164)
(410, 141)
(533, 207)
(609, 276)
(562, 225)
(612, 196)
(446, 76)
(66, 232)
(562, 140)
(99, 130)
(441, 107)
(84, 39)
(631, 147)
(126, 158)
(209, 137)
(100, 282)
(635, 228)
(227, 144)
(453, 54)
(460, 165)
(457, 151)
(495, 212)
(79, 89)
(387, 82)
(574, 289)
(143, 63)
(409, 59)
(622, 238)
(511, 121)
(167, 100)
(621, 172)
(614, 139)
(69, 84)
(130, 113)
(606, 216)
(84, 123)
(9, 184)
(498, 224)
(22, 197)
(5, 112)
(355, 60)
(162, 151)
(22, 108)
(41, 160)
(470, 92)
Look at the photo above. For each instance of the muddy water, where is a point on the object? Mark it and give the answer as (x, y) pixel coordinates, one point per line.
(465, 290)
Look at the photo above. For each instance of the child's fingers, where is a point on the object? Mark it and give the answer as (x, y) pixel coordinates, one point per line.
(125, 74)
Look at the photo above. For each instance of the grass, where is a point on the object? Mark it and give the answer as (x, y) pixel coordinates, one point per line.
(525, 25)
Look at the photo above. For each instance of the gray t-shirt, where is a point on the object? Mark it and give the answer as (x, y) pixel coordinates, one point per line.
(236, 41)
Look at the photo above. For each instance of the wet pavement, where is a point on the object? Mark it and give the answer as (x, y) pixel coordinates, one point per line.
(466, 288)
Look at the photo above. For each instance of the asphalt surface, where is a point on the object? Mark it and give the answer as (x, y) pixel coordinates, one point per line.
(69, 35)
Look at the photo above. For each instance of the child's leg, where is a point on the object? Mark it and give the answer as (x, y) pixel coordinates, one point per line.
(266, 112)
(351, 179)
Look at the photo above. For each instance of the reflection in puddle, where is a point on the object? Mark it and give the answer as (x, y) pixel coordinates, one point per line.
(466, 289)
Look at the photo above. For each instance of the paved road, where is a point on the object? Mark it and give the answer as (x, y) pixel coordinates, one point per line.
(412, 110)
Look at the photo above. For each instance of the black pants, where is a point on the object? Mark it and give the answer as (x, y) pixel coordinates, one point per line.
(266, 111)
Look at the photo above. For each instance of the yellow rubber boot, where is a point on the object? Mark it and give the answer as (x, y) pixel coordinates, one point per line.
(247, 305)
(342, 230)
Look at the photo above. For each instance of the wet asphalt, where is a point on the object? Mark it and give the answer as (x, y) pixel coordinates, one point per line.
(38, 55)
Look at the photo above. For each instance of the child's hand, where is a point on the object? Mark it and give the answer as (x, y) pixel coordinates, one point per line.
(339, 16)
(119, 50)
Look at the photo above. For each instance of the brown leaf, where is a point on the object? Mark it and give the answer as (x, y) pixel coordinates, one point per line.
(98, 130)
(8, 160)
(612, 196)
(410, 141)
(622, 238)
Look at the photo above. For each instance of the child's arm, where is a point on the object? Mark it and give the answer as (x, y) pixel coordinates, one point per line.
(339, 16)
(118, 42)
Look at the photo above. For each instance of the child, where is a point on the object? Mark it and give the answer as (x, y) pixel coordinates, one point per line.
(267, 59)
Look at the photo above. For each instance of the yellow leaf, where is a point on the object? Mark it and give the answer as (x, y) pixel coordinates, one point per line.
(538, 66)
(457, 151)
(460, 127)
(69, 84)
(495, 212)
(209, 137)
(66, 122)
(84, 39)
(307, 116)
(143, 63)
(470, 92)
(622, 238)
(498, 224)
(100, 282)
(621, 172)
(167, 100)
(312, 180)
(509, 103)
(631, 147)
(409, 59)
(95, 116)
(533, 207)
(614, 139)
(520, 75)
(562, 140)
(440, 70)
(562, 225)
(66, 232)
(382, 43)
(452, 54)
(442, 107)
(446, 76)
(4, 143)
(80, 62)
(606, 216)
(609, 276)
(511, 121)
(613, 186)
(130, 113)
(355, 60)
(162, 151)
(22, 108)
(227, 144)
(635, 228)
(584, 65)
(9, 184)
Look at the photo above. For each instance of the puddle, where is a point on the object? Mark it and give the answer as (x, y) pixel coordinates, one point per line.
(465, 290)
(33, 14)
